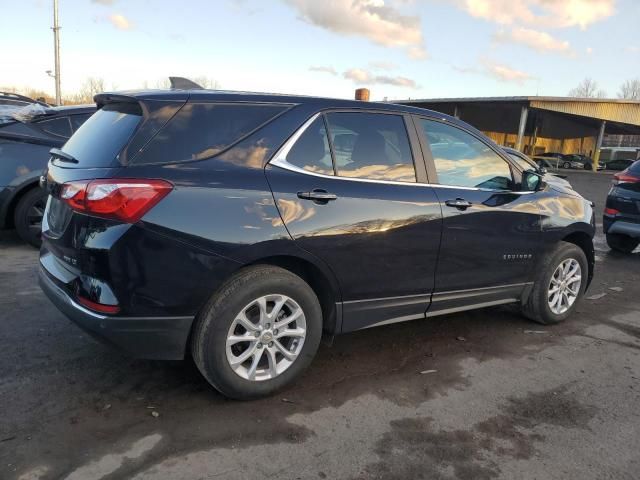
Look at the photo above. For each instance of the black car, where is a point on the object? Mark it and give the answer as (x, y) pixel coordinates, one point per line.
(621, 222)
(617, 164)
(231, 227)
(27, 133)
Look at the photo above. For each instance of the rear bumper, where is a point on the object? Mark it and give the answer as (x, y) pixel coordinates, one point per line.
(621, 227)
(157, 338)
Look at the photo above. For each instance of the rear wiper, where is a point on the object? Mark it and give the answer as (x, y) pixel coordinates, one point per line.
(62, 156)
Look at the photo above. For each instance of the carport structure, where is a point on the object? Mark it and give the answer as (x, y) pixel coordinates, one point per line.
(536, 125)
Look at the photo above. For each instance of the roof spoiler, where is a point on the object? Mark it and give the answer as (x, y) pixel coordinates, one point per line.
(181, 83)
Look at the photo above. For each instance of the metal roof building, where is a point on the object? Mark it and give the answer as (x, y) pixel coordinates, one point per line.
(538, 124)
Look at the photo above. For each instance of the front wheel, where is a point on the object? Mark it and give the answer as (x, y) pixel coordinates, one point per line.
(559, 286)
(258, 332)
(566, 165)
(622, 243)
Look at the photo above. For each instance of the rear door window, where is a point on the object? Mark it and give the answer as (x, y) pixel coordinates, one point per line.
(202, 130)
(78, 120)
(371, 145)
(100, 139)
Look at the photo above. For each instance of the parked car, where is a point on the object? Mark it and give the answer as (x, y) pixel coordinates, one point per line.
(585, 161)
(560, 160)
(527, 163)
(621, 222)
(226, 226)
(26, 136)
(617, 165)
(10, 101)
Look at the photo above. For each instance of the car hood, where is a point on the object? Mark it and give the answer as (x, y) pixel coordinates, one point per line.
(561, 186)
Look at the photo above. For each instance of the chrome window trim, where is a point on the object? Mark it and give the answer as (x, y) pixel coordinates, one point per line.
(280, 160)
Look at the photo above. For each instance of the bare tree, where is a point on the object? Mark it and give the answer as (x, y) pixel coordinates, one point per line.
(630, 90)
(207, 82)
(90, 87)
(587, 88)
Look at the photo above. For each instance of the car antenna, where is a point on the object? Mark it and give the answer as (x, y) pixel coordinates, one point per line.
(181, 83)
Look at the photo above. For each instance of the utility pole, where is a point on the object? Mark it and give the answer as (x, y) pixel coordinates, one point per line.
(56, 46)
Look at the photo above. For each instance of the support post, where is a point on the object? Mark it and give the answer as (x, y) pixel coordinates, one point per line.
(56, 47)
(456, 112)
(523, 123)
(599, 140)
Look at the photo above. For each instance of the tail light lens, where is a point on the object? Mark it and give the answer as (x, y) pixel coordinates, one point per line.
(611, 211)
(625, 177)
(126, 200)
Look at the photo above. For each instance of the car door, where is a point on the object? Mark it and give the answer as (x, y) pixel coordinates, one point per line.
(491, 230)
(351, 188)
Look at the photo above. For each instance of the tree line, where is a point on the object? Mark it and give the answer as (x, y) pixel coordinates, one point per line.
(589, 88)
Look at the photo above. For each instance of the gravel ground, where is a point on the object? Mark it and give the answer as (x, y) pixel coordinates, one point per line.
(504, 398)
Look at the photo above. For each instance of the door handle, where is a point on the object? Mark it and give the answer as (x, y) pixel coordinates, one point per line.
(318, 196)
(459, 203)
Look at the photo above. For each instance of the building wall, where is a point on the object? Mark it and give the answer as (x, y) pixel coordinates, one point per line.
(584, 145)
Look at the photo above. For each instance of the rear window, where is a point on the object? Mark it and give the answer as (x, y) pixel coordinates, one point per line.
(59, 127)
(201, 130)
(635, 168)
(99, 140)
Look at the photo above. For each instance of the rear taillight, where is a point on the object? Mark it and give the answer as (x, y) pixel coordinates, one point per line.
(611, 211)
(126, 200)
(98, 307)
(625, 177)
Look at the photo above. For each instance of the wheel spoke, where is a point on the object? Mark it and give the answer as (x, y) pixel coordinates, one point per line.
(246, 323)
(287, 320)
(262, 305)
(233, 339)
(292, 332)
(275, 311)
(244, 356)
(287, 354)
(254, 364)
(273, 363)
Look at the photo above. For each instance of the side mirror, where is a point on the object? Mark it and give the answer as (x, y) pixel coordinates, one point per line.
(542, 170)
(531, 181)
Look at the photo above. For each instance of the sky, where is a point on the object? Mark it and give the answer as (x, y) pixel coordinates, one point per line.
(399, 49)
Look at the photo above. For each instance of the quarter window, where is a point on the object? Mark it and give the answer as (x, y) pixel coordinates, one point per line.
(371, 145)
(57, 126)
(463, 160)
(311, 151)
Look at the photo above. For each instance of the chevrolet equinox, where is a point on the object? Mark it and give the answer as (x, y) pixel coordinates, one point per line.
(238, 227)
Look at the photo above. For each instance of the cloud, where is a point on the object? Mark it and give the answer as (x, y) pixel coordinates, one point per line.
(360, 76)
(551, 13)
(120, 21)
(382, 65)
(374, 20)
(589, 50)
(323, 69)
(537, 40)
(633, 49)
(104, 2)
(504, 73)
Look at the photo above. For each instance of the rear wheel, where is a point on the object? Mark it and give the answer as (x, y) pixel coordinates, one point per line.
(566, 165)
(622, 243)
(559, 287)
(257, 333)
(28, 216)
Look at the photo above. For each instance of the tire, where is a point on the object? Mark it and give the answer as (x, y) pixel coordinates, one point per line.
(537, 306)
(219, 320)
(28, 216)
(566, 165)
(622, 243)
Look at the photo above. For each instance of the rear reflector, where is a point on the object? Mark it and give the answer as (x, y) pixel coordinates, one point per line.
(97, 307)
(126, 200)
(611, 211)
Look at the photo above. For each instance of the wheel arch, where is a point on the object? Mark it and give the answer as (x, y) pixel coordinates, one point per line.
(584, 241)
(324, 287)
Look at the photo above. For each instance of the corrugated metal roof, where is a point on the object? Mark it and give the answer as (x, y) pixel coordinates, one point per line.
(613, 110)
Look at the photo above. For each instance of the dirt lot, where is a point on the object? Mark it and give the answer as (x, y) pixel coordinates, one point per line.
(507, 399)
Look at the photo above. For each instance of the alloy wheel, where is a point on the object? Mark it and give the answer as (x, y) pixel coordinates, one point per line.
(266, 337)
(564, 286)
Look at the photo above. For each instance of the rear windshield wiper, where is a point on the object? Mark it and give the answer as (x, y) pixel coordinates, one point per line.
(63, 156)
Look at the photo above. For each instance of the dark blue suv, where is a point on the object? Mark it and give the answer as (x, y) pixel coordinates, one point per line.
(239, 227)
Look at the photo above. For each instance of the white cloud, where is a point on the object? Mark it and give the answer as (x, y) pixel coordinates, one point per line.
(361, 77)
(551, 13)
(589, 50)
(120, 21)
(323, 69)
(375, 20)
(537, 40)
(104, 2)
(504, 73)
